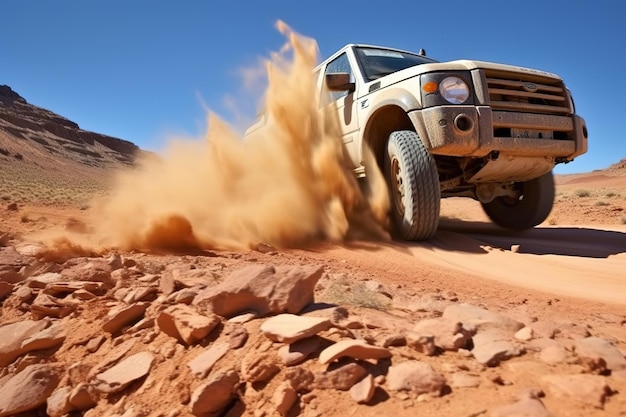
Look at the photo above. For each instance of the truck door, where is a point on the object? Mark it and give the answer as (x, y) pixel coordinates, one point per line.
(345, 106)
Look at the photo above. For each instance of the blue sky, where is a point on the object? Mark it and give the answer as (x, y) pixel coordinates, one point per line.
(144, 70)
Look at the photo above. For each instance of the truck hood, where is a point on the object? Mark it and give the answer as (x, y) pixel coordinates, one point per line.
(461, 65)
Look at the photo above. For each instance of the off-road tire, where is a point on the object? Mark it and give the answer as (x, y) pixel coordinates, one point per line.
(532, 208)
(413, 182)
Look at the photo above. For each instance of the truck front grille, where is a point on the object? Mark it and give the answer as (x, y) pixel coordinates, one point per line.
(526, 93)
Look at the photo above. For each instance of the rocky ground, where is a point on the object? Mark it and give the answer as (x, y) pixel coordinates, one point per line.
(285, 333)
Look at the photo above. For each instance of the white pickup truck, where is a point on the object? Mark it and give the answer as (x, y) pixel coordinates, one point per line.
(483, 130)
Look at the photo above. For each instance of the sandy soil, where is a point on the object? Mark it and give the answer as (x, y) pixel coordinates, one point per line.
(573, 269)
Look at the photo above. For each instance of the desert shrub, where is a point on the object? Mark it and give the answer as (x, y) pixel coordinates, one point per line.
(4, 152)
(19, 156)
(602, 203)
(612, 194)
(553, 221)
(583, 193)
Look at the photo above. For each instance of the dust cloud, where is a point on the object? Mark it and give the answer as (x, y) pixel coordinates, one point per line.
(288, 184)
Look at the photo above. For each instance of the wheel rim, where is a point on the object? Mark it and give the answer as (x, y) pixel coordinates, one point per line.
(397, 186)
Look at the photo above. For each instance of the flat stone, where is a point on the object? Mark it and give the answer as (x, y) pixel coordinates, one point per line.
(41, 281)
(363, 391)
(299, 351)
(263, 289)
(48, 338)
(524, 408)
(480, 318)
(28, 389)
(289, 328)
(340, 376)
(202, 364)
(63, 288)
(581, 388)
(415, 377)
(214, 395)
(357, 349)
(491, 347)
(124, 316)
(46, 305)
(186, 324)
(13, 335)
(118, 377)
(112, 356)
(591, 347)
(448, 335)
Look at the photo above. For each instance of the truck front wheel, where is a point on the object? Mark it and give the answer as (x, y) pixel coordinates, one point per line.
(414, 186)
(528, 210)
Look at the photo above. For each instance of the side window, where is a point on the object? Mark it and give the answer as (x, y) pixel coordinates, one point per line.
(339, 64)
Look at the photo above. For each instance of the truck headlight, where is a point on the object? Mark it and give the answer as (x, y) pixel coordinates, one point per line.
(454, 90)
(446, 88)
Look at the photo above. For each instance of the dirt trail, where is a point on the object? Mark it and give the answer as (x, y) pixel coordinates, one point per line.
(586, 263)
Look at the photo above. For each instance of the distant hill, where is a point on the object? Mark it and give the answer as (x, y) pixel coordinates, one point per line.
(619, 166)
(48, 158)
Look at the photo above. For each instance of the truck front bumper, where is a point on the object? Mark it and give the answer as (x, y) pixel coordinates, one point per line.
(477, 130)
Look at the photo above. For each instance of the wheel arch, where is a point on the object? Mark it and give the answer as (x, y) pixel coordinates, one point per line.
(381, 123)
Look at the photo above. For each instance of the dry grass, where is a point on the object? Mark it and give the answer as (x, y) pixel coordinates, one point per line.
(27, 182)
(345, 292)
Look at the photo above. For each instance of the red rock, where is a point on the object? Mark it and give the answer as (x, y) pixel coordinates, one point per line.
(416, 377)
(124, 316)
(29, 389)
(340, 377)
(116, 378)
(289, 328)
(593, 347)
(297, 352)
(363, 391)
(449, 335)
(357, 349)
(83, 397)
(262, 289)
(581, 388)
(58, 403)
(215, 394)
(5, 288)
(284, 398)
(45, 305)
(186, 324)
(13, 335)
(202, 364)
(259, 367)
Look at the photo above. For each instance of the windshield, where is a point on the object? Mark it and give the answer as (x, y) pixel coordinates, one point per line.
(377, 63)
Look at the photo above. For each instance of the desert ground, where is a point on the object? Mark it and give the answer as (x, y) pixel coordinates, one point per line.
(561, 283)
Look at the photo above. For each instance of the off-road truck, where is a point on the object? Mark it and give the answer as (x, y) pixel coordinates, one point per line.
(482, 130)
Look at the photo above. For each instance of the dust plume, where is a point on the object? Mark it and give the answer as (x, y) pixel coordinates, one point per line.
(287, 184)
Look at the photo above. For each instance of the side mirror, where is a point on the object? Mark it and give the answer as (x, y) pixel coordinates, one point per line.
(339, 81)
